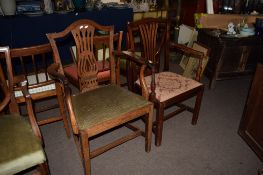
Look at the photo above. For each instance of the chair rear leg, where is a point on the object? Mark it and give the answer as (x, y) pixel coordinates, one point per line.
(148, 129)
(63, 111)
(85, 152)
(159, 124)
(44, 169)
(198, 102)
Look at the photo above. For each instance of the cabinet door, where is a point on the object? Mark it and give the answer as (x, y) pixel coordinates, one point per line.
(251, 126)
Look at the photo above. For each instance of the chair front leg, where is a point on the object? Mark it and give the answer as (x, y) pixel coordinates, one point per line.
(85, 152)
(198, 102)
(148, 129)
(159, 124)
(62, 109)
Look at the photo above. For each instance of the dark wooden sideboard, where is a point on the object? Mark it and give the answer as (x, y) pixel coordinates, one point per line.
(230, 56)
(251, 125)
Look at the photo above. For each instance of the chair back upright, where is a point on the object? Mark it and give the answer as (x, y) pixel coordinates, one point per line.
(150, 37)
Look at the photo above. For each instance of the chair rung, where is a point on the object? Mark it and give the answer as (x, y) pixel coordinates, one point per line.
(50, 120)
(188, 108)
(134, 128)
(115, 143)
(45, 108)
(172, 114)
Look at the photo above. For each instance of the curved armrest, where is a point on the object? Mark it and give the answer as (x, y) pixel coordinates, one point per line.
(54, 74)
(187, 50)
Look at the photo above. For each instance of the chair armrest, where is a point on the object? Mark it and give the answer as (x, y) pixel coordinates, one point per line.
(140, 61)
(54, 74)
(187, 50)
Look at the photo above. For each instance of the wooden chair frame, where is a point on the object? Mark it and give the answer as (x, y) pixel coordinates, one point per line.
(43, 87)
(148, 29)
(89, 77)
(10, 99)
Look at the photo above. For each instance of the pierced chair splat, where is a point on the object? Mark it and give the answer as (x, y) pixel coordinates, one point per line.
(101, 108)
(166, 88)
(80, 34)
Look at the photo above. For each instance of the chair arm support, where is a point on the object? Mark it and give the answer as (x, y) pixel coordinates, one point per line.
(30, 110)
(53, 72)
(5, 101)
(131, 56)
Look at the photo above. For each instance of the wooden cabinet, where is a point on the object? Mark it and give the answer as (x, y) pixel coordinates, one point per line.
(230, 56)
(251, 125)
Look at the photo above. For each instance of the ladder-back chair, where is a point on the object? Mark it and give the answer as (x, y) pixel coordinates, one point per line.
(30, 63)
(21, 146)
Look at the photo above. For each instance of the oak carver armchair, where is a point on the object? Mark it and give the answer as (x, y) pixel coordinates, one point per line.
(21, 144)
(151, 37)
(30, 63)
(75, 47)
(100, 108)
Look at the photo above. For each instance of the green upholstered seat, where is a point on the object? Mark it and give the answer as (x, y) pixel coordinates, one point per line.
(103, 104)
(19, 147)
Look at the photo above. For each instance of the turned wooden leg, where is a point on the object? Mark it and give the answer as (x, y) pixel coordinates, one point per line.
(148, 129)
(159, 124)
(85, 152)
(198, 102)
(62, 109)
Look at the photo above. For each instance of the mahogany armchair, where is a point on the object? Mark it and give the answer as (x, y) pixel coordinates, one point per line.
(21, 145)
(30, 63)
(166, 88)
(100, 108)
(100, 50)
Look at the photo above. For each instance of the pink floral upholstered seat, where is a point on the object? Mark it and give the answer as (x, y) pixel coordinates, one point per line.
(169, 84)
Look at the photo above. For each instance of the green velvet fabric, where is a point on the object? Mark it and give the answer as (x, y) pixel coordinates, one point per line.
(103, 104)
(19, 147)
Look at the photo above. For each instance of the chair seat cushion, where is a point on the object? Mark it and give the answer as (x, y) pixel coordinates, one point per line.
(103, 104)
(72, 72)
(32, 79)
(19, 147)
(169, 85)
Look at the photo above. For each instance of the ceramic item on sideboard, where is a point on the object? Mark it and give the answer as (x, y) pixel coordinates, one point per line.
(8, 7)
(231, 29)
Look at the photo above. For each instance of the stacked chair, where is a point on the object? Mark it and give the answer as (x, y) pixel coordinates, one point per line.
(21, 146)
